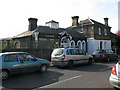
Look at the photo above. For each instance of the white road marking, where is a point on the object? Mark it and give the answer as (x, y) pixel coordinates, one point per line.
(61, 81)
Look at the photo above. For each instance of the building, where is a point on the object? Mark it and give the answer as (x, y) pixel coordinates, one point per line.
(88, 35)
(98, 34)
(50, 34)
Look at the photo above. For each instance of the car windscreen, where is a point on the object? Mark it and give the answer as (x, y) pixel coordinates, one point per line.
(57, 52)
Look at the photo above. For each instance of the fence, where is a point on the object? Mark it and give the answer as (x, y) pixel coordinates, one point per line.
(42, 48)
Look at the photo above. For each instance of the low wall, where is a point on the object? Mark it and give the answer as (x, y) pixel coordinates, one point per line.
(40, 53)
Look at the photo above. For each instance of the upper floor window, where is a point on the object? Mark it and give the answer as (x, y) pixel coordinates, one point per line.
(100, 32)
(105, 32)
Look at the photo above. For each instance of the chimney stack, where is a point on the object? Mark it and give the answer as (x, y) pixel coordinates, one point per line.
(32, 24)
(75, 20)
(106, 21)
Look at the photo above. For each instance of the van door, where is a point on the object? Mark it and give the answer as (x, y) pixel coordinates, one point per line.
(83, 56)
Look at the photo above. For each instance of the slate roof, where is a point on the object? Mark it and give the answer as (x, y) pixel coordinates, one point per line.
(50, 31)
(24, 34)
(75, 34)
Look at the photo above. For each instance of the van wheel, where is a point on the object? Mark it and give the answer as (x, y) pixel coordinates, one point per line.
(90, 61)
(70, 64)
(43, 68)
(4, 74)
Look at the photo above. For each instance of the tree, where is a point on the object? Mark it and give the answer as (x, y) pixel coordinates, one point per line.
(118, 33)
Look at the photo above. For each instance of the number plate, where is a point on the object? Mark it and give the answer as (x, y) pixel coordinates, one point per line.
(56, 58)
(97, 55)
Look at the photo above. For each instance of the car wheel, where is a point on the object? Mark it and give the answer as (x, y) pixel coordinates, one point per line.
(90, 61)
(4, 75)
(43, 68)
(70, 64)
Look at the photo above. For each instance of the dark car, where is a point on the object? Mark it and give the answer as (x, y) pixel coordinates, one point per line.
(19, 62)
(104, 55)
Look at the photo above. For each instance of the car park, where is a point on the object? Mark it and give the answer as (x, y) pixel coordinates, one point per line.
(19, 62)
(62, 57)
(104, 55)
(115, 76)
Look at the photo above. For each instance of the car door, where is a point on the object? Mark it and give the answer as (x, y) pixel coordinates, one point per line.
(28, 62)
(12, 63)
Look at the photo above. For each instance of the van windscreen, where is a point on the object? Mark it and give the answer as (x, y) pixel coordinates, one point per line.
(58, 52)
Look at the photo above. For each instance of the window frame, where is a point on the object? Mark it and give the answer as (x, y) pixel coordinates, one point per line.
(105, 31)
(100, 31)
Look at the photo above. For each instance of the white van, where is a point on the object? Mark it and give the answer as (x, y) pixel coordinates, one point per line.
(69, 56)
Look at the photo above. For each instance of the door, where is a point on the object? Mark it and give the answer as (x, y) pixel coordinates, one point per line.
(12, 63)
(28, 62)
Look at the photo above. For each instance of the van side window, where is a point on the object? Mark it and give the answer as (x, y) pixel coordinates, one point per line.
(82, 53)
(68, 52)
(76, 52)
(11, 58)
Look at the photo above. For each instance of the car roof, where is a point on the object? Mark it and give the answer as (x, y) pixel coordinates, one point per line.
(11, 53)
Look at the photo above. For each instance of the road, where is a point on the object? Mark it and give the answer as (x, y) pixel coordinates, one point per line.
(82, 76)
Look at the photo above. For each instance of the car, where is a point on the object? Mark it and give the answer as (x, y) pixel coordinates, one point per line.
(62, 57)
(115, 76)
(20, 62)
(104, 55)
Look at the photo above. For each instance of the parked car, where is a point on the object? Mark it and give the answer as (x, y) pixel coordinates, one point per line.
(115, 76)
(19, 62)
(104, 55)
(62, 57)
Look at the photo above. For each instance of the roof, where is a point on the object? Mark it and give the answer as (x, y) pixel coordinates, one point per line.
(90, 22)
(75, 34)
(11, 53)
(50, 31)
(24, 34)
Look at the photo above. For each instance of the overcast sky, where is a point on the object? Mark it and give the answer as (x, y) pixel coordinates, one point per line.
(15, 13)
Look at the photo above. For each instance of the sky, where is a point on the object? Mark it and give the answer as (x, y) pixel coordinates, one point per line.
(14, 14)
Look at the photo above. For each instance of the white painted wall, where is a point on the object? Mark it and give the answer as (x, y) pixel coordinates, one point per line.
(93, 44)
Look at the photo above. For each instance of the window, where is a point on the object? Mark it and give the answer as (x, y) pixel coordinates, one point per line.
(105, 45)
(26, 57)
(83, 46)
(100, 32)
(79, 44)
(105, 32)
(11, 58)
(100, 44)
(72, 44)
(58, 52)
